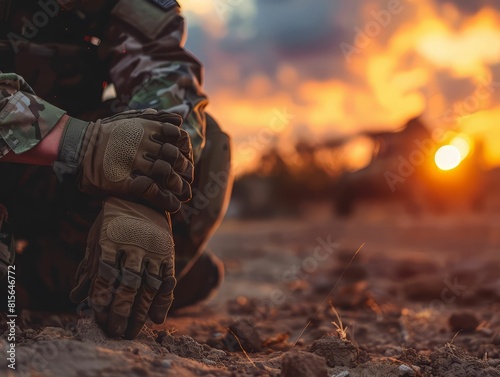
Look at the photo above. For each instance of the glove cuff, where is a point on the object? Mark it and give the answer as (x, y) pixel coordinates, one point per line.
(68, 160)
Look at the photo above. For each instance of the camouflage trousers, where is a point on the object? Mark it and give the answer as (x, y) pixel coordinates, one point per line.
(50, 221)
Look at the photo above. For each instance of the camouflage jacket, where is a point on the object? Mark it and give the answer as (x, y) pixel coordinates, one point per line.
(70, 50)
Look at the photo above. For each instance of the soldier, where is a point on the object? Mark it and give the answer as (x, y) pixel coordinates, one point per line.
(76, 170)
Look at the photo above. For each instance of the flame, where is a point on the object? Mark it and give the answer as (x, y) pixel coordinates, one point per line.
(358, 153)
(467, 52)
(395, 77)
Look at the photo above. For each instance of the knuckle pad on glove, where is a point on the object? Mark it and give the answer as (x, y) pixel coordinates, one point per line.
(121, 150)
(141, 233)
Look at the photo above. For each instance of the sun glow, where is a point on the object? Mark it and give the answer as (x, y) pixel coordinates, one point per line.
(448, 157)
(463, 143)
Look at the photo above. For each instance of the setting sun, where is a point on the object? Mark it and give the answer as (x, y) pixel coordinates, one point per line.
(448, 157)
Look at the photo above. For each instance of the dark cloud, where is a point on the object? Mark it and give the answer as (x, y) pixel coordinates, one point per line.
(291, 25)
(454, 89)
(306, 35)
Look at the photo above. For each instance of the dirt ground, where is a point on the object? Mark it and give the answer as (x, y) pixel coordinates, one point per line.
(420, 298)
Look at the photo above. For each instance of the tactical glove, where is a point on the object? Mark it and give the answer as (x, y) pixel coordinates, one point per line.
(136, 155)
(128, 269)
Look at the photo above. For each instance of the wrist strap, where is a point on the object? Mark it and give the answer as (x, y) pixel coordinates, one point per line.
(69, 148)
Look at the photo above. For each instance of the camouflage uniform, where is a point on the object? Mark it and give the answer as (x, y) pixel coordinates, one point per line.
(25, 118)
(69, 51)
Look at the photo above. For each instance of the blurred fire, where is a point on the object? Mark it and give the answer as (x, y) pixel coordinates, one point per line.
(395, 77)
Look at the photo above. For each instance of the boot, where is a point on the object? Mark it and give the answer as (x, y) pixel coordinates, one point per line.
(200, 283)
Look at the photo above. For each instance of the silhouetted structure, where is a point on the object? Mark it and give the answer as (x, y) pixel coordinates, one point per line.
(402, 168)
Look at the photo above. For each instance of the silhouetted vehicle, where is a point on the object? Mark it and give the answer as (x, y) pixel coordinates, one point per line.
(403, 167)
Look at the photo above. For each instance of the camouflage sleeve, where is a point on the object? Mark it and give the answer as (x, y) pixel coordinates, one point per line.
(151, 68)
(25, 119)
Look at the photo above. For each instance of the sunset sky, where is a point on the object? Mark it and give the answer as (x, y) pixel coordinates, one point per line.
(279, 70)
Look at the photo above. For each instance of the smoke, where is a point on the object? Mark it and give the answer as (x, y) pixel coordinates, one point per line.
(470, 7)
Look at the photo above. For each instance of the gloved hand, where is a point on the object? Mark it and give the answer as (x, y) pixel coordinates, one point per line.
(136, 155)
(128, 269)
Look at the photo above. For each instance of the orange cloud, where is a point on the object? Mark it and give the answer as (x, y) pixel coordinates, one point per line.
(393, 78)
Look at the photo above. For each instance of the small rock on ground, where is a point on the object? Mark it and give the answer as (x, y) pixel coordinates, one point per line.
(466, 322)
(302, 364)
(337, 352)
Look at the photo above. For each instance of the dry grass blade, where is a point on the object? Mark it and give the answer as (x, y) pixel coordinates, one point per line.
(341, 330)
(242, 349)
(454, 336)
(329, 293)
